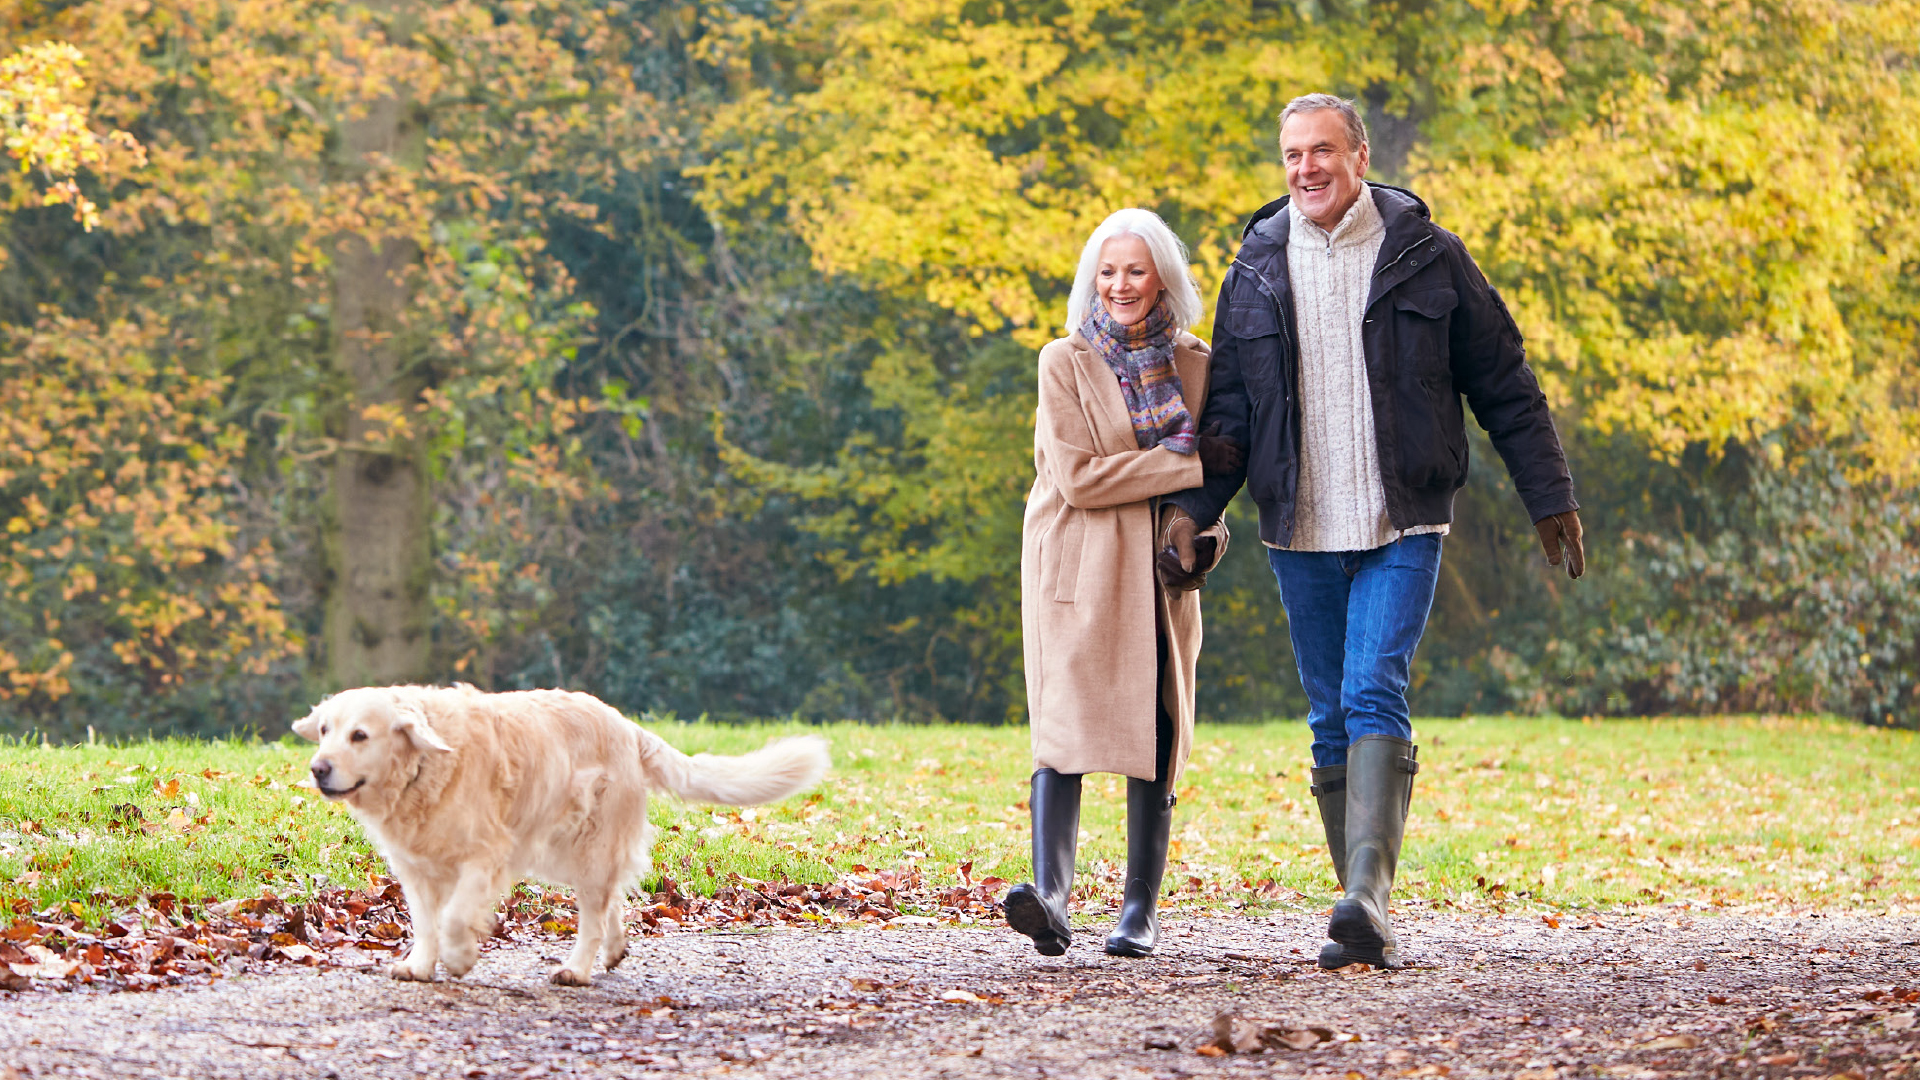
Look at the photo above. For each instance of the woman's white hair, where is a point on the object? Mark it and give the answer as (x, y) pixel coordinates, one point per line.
(1169, 259)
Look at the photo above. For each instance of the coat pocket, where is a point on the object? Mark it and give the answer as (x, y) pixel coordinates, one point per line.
(1257, 326)
(1063, 550)
(1423, 320)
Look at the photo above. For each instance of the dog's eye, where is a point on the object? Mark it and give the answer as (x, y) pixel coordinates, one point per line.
(359, 736)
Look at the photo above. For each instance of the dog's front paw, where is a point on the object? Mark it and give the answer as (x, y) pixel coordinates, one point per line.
(566, 976)
(408, 971)
(616, 954)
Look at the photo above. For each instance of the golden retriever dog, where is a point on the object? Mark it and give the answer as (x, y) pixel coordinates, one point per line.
(466, 792)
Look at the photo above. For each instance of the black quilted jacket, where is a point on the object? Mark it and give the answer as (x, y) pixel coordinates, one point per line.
(1434, 330)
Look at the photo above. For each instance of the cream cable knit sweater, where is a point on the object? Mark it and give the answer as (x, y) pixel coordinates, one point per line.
(1342, 504)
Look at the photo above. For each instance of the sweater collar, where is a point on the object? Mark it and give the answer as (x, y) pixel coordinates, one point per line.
(1361, 225)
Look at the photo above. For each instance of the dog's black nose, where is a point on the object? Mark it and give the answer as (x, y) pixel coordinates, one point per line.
(321, 770)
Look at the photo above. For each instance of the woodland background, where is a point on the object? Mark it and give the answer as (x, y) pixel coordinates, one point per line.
(682, 352)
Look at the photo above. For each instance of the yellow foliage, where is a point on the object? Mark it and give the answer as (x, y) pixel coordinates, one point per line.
(46, 125)
(966, 160)
(126, 486)
(1733, 266)
(514, 116)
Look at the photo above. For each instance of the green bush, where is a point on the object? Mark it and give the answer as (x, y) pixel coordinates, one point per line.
(1800, 592)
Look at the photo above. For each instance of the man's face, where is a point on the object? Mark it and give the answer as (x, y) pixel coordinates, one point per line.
(1323, 171)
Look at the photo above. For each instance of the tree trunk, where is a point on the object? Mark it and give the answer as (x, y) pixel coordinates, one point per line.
(379, 542)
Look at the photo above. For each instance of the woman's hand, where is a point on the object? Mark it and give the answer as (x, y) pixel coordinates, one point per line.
(1179, 559)
(1219, 455)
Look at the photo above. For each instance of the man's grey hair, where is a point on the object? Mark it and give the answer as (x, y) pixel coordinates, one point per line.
(1306, 103)
(1169, 259)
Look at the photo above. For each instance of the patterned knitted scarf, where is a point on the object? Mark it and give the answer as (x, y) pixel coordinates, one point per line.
(1141, 357)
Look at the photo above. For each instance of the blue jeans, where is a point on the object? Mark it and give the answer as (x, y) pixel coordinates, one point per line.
(1355, 618)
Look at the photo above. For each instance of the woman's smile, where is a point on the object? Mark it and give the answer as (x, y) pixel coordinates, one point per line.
(1127, 282)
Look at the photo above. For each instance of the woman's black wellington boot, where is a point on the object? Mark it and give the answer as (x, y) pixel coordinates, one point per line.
(1038, 909)
(1330, 792)
(1149, 825)
(1380, 771)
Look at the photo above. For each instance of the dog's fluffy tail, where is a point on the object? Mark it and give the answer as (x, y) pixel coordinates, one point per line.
(773, 772)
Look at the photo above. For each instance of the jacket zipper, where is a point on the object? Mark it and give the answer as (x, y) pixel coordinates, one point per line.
(1272, 294)
(1396, 258)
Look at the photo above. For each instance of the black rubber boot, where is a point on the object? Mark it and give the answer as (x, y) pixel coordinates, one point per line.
(1380, 771)
(1039, 909)
(1149, 825)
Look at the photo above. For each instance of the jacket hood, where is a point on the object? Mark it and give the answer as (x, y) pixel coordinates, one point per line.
(1393, 202)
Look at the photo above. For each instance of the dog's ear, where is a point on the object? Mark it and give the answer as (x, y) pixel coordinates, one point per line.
(308, 726)
(411, 720)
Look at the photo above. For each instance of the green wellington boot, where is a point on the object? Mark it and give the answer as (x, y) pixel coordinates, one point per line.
(1149, 825)
(1380, 771)
(1330, 792)
(1039, 909)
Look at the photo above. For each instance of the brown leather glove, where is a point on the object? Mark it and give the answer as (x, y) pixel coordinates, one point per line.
(1219, 455)
(1560, 538)
(1179, 559)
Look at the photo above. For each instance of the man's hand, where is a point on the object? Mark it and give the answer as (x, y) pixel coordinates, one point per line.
(1560, 537)
(1219, 455)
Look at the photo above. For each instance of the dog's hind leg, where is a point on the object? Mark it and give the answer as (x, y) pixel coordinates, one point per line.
(469, 914)
(597, 905)
(423, 910)
(639, 864)
(616, 943)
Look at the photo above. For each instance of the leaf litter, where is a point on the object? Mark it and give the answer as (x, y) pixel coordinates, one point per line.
(779, 995)
(161, 940)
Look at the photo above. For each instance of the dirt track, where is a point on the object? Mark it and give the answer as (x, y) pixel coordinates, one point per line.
(1640, 996)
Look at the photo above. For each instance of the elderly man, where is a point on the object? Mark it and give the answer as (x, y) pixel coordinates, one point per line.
(1348, 328)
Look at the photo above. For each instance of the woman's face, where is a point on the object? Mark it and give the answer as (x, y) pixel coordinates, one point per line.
(1127, 281)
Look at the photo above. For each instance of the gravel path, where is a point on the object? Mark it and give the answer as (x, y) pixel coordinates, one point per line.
(1635, 996)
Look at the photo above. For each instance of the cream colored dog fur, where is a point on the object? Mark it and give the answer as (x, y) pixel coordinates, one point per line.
(466, 792)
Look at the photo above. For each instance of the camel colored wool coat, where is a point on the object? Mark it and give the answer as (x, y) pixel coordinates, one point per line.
(1089, 597)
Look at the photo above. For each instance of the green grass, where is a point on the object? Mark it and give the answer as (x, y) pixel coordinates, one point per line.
(1768, 812)
(87, 824)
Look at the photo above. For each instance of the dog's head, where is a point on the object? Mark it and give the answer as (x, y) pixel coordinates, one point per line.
(366, 737)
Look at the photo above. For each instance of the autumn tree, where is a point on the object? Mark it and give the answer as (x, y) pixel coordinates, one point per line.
(121, 545)
(352, 202)
(1698, 209)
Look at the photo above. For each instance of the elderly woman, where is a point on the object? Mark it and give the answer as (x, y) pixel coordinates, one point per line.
(1111, 622)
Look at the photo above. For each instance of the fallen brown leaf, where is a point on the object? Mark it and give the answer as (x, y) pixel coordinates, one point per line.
(1242, 1035)
(1299, 1040)
(1671, 1042)
(1237, 1034)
